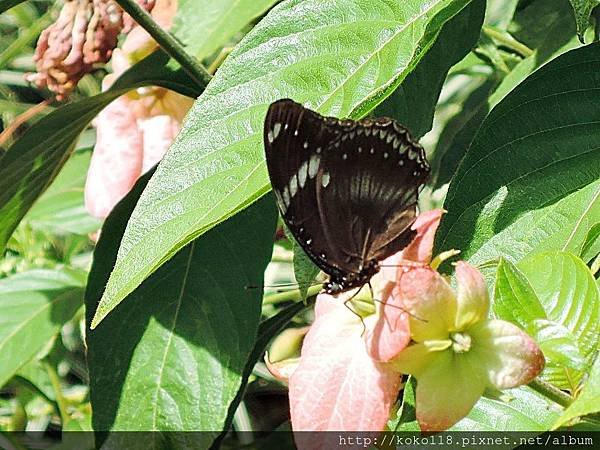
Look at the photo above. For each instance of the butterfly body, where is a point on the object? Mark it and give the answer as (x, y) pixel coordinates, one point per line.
(347, 190)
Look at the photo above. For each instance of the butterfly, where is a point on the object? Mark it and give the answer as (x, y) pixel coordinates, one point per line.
(347, 190)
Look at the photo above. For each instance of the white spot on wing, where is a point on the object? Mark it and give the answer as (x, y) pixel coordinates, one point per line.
(313, 165)
(286, 197)
(305, 145)
(344, 156)
(293, 185)
(389, 138)
(325, 179)
(270, 137)
(302, 173)
(276, 129)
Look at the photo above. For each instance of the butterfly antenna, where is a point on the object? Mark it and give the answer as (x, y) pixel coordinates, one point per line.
(271, 286)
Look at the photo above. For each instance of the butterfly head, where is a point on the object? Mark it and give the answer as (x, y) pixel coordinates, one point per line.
(337, 284)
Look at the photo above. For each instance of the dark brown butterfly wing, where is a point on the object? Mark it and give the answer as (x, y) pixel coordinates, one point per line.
(347, 190)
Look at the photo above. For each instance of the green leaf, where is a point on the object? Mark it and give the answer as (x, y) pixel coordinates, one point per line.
(499, 13)
(567, 290)
(7, 4)
(527, 185)
(305, 270)
(35, 376)
(516, 301)
(61, 208)
(558, 344)
(267, 330)
(550, 21)
(591, 245)
(219, 22)
(34, 306)
(459, 131)
(341, 58)
(548, 28)
(583, 11)
(406, 416)
(520, 409)
(32, 162)
(184, 336)
(587, 400)
(413, 102)
(514, 297)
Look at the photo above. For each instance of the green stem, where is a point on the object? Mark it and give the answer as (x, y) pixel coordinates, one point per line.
(549, 391)
(507, 40)
(167, 42)
(291, 296)
(60, 399)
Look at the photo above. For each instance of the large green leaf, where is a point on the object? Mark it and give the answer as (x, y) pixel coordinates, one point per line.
(531, 178)
(32, 162)
(568, 293)
(515, 300)
(172, 357)
(339, 57)
(547, 27)
(587, 400)
(413, 102)
(204, 26)
(518, 409)
(34, 306)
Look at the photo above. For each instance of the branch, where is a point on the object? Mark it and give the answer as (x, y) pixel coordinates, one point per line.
(167, 42)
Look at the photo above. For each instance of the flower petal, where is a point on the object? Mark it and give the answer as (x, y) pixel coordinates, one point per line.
(158, 134)
(473, 302)
(421, 248)
(389, 332)
(510, 356)
(447, 391)
(117, 159)
(414, 359)
(430, 301)
(337, 385)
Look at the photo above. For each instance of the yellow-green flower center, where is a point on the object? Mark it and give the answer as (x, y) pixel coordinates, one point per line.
(461, 342)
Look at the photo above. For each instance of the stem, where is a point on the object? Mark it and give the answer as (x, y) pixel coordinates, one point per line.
(219, 60)
(507, 40)
(167, 42)
(549, 391)
(60, 399)
(21, 119)
(291, 296)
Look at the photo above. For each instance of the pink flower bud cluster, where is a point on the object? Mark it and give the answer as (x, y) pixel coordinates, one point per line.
(83, 36)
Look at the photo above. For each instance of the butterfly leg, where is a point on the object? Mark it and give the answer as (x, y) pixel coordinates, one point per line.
(346, 304)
